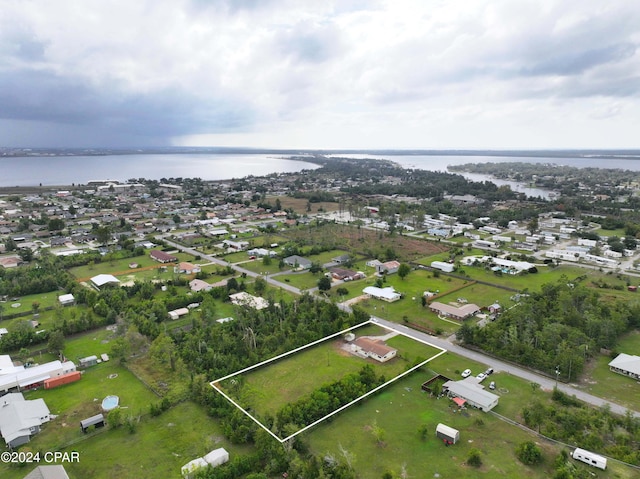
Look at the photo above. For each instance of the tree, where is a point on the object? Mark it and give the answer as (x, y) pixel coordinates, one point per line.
(266, 260)
(26, 254)
(324, 284)
(315, 267)
(56, 224)
(403, 270)
(103, 235)
(55, 345)
(529, 453)
(259, 285)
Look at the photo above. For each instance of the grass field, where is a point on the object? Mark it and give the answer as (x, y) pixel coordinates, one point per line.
(400, 410)
(82, 399)
(158, 448)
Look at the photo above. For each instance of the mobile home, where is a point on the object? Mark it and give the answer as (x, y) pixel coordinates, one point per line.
(590, 458)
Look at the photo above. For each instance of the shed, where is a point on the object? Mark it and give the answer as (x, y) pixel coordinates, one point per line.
(590, 458)
(97, 421)
(190, 468)
(447, 434)
(217, 457)
(66, 299)
(88, 361)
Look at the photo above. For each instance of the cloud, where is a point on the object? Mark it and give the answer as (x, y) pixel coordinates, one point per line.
(171, 70)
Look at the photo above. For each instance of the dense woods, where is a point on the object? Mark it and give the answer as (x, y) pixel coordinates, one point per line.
(560, 326)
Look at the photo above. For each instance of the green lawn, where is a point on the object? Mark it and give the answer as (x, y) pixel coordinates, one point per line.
(25, 303)
(400, 410)
(110, 267)
(76, 401)
(600, 381)
(304, 280)
(158, 448)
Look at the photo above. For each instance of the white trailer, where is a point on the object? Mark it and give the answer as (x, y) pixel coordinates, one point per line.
(590, 458)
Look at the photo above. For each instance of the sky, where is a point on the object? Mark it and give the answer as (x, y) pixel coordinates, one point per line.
(343, 74)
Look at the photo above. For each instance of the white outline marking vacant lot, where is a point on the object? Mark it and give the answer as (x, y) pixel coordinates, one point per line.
(342, 408)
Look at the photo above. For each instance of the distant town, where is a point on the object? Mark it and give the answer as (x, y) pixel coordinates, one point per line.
(357, 320)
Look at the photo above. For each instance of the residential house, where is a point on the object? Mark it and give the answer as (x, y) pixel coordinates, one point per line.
(472, 392)
(387, 294)
(345, 274)
(162, 257)
(101, 280)
(20, 419)
(297, 262)
(626, 364)
(373, 348)
(186, 268)
(456, 312)
(199, 285)
(388, 267)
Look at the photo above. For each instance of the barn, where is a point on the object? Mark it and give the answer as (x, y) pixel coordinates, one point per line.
(448, 434)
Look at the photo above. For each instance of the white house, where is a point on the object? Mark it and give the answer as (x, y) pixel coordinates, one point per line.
(104, 279)
(443, 266)
(472, 392)
(626, 364)
(20, 419)
(373, 348)
(387, 294)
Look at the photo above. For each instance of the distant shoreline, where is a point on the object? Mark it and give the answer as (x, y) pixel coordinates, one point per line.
(617, 154)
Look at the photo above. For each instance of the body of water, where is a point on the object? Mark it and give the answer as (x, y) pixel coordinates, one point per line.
(67, 170)
(441, 163)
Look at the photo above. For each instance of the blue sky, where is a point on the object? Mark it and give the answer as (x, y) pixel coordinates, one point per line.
(310, 74)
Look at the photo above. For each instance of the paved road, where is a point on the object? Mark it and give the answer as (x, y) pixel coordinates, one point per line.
(496, 364)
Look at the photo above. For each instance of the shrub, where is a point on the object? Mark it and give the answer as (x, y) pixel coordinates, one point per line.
(474, 458)
(529, 453)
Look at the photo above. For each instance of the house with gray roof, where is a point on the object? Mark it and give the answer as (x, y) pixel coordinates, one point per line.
(20, 419)
(626, 364)
(472, 392)
(297, 262)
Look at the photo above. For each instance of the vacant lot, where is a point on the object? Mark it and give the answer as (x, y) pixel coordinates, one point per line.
(272, 386)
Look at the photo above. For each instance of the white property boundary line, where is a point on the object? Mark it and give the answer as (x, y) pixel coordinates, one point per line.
(318, 421)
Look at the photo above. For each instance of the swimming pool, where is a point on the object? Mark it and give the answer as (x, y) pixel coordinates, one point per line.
(110, 402)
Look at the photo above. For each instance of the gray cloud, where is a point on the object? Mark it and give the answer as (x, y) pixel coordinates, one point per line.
(285, 70)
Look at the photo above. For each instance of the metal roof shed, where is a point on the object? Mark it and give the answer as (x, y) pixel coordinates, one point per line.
(97, 421)
(447, 433)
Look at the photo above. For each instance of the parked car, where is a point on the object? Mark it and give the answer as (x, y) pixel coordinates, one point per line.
(489, 371)
(481, 377)
(466, 373)
(492, 385)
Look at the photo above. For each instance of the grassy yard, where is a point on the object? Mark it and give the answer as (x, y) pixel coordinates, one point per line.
(600, 381)
(304, 280)
(82, 399)
(25, 303)
(269, 388)
(110, 267)
(400, 410)
(158, 448)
